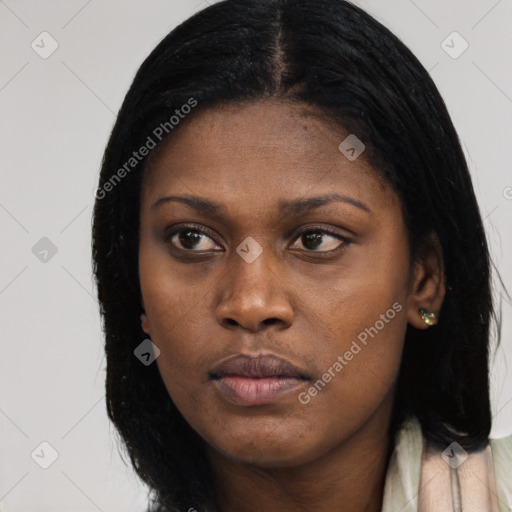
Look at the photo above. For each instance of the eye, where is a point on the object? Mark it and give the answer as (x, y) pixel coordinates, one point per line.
(324, 238)
(195, 239)
(192, 239)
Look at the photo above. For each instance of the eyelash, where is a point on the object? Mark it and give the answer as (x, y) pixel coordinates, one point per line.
(193, 227)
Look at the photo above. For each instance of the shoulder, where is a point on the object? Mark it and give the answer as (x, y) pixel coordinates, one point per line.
(501, 450)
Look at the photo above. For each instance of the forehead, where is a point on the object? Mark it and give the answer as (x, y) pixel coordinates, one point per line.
(263, 150)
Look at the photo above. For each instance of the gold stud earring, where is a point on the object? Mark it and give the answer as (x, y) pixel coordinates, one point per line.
(427, 317)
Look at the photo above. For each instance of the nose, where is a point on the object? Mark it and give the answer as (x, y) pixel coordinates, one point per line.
(253, 295)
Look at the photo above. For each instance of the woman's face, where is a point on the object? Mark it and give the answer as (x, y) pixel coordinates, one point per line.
(253, 272)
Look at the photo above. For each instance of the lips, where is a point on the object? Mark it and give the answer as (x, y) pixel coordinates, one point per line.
(249, 380)
(260, 367)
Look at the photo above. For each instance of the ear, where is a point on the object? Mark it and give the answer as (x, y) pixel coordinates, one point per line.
(427, 286)
(144, 323)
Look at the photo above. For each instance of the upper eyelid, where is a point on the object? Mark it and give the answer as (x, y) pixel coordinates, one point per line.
(193, 227)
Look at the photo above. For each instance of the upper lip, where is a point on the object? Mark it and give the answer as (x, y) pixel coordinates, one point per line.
(261, 366)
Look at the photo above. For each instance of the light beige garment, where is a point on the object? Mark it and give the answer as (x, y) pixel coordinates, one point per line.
(421, 479)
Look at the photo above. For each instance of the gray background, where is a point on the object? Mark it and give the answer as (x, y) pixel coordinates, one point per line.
(56, 114)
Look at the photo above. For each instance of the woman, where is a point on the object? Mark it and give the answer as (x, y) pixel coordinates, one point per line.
(293, 273)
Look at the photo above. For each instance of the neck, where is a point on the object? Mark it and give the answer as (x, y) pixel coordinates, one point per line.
(349, 477)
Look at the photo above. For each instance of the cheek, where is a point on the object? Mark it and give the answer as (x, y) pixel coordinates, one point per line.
(359, 342)
(370, 359)
(360, 365)
(169, 300)
(171, 308)
(184, 370)
(365, 304)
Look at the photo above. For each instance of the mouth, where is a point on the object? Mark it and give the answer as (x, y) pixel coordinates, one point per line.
(247, 380)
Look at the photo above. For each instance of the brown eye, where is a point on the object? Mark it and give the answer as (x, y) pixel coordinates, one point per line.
(326, 240)
(191, 239)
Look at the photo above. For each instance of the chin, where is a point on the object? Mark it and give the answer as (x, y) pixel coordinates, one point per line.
(272, 445)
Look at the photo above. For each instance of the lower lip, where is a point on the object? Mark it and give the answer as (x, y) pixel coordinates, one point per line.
(251, 391)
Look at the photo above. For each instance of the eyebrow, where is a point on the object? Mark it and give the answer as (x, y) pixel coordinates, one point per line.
(295, 207)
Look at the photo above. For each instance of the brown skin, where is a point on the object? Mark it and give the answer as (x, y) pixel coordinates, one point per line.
(295, 300)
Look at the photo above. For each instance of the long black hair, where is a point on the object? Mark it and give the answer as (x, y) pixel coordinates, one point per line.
(332, 55)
